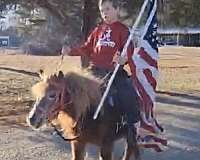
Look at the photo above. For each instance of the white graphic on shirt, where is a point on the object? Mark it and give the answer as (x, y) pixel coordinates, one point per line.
(105, 39)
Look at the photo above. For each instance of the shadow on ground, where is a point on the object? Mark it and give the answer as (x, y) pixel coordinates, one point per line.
(179, 99)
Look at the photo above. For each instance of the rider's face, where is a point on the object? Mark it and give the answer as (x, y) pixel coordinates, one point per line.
(108, 13)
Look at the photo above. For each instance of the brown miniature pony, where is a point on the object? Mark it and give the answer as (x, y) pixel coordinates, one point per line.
(69, 102)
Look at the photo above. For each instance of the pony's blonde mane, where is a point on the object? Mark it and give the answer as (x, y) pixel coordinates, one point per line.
(39, 89)
(85, 91)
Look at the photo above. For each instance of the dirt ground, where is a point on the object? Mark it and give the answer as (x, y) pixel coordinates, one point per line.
(177, 107)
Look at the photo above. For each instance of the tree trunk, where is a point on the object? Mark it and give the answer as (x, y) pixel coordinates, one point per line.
(89, 21)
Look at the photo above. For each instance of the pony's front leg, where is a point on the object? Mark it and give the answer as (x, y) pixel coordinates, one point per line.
(78, 150)
(106, 151)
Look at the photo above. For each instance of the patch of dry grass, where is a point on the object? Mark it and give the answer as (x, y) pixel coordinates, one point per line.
(179, 69)
(179, 66)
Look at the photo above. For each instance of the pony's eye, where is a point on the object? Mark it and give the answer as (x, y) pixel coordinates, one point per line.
(52, 96)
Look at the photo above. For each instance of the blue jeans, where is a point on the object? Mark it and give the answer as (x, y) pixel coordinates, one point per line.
(126, 99)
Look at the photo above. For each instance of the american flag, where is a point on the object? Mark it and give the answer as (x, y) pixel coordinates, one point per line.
(144, 67)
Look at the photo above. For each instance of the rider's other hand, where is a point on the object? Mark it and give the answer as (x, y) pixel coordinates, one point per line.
(65, 50)
(122, 60)
(119, 59)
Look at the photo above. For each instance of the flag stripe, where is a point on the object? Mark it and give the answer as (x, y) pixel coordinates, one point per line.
(142, 64)
(145, 85)
(144, 55)
(150, 79)
(152, 52)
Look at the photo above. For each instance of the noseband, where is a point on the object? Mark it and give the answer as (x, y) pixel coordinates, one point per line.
(61, 104)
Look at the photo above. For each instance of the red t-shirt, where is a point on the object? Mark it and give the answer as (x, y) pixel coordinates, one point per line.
(103, 43)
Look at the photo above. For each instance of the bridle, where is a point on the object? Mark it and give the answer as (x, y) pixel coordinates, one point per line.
(56, 110)
(61, 106)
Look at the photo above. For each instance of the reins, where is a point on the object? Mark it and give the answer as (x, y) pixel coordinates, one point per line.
(59, 64)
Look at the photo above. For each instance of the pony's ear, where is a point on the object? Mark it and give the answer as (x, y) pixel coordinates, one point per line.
(60, 75)
(42, 74)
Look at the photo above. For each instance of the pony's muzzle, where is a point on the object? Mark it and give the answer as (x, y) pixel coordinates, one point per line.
(34, 121)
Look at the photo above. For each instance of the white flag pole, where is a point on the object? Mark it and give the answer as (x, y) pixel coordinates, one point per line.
(122, 54)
